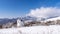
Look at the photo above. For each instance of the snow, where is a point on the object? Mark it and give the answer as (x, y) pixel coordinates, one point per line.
(9, 31)
(53, 29)
(53, 19)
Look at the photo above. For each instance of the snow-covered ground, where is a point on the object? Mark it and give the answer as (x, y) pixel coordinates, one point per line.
(53, 29)
(9, 31)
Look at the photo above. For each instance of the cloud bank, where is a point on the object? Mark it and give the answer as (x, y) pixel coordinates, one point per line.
(44, 12)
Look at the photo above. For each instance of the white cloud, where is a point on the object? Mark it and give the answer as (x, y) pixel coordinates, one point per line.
(44, 12)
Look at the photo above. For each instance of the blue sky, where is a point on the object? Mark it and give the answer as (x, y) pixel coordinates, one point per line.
(17, 8)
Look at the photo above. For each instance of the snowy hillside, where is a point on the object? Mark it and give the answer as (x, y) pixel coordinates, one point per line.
(53, 29)
(53, 19)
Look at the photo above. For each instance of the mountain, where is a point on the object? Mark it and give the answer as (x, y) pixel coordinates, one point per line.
(28, 18)
(6, 20)
(32, 18)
